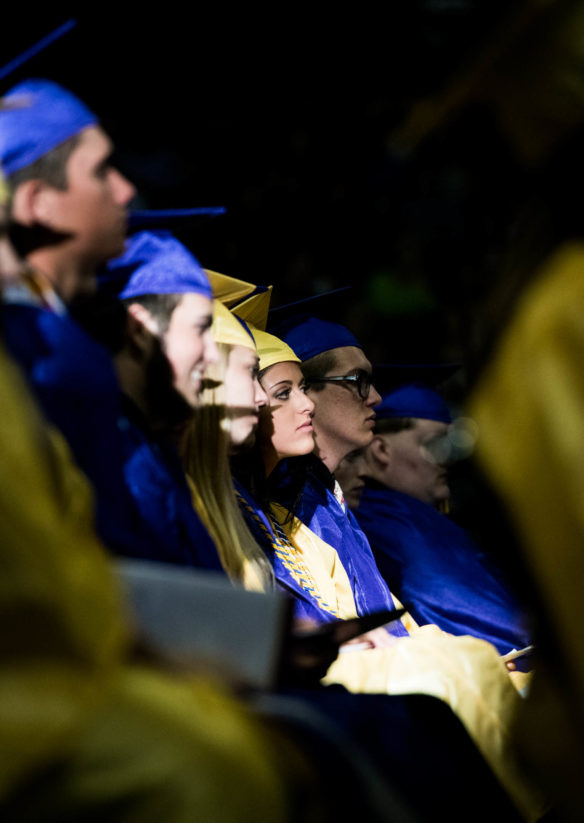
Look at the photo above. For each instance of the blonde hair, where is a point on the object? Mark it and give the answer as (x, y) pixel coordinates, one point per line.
(205, 453)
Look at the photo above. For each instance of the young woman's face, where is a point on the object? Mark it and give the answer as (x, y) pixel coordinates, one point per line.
(244, 396)
(286, 422)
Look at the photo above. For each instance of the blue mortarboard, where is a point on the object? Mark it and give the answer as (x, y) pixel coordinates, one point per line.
(37, 47)
(169, 218)
(37, 116)
(155, 263)
(413, 400)
(309, 336)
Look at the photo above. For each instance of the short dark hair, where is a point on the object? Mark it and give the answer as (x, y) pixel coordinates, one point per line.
(316, 367)
(393, 425)
(51, 167)
(160, 306)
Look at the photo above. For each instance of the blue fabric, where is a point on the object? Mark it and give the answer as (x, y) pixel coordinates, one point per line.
(35, 49)
(304, 605)
(167, 218)
(432, 564)
(323, 514)
(143, 503)
(308, 336)
(42, 116)
(413, 400)
(155, 263)
(157, 483)
(74, 381)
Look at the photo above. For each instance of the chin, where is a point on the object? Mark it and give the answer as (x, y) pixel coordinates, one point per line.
(242, 443)
(308, 446)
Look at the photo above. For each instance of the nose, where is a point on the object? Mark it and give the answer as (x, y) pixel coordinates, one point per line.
(210, 351)
(304, 404)
(373, 398)
(123, 190)
(260, 397)
(361, 467)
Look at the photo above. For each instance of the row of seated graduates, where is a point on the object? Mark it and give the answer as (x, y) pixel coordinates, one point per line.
(54, 352)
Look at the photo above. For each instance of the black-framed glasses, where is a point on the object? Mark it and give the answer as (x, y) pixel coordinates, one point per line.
(361, 381)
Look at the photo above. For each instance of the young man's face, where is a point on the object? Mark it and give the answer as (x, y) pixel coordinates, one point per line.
(343, 420)
(412, 469)
(351, 476)
(244, 395)
(188, 344)
(92, 211)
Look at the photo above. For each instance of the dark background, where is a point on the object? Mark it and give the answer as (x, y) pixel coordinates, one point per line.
(284, 117)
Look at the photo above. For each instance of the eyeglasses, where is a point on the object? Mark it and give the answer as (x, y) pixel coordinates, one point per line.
(361, 381)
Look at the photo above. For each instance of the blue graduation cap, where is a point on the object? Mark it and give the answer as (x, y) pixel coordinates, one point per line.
(36, 117)
(308, 335)
(169, 218)
(321, 303)
(37, 47)
(155, 263)
(413, 400)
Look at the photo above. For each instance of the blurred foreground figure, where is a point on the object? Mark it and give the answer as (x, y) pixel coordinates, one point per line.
(529, 398)
(85, 733)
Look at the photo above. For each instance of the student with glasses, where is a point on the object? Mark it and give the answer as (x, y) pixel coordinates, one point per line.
(329, 571)
(361, 381)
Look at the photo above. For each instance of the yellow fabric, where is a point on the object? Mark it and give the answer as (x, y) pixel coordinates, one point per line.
(323, 563)
(120, 742)
(228, 330)
(254, 310)
(533, 454)
(158, 750)
(229, 290)
(272, 350)
(238, 296)
(465, 672)
(59, 611)
(4, 194)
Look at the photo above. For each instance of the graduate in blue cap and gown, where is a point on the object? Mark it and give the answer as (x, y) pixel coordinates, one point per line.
(69, 212)
(427, 559)
(161, 362)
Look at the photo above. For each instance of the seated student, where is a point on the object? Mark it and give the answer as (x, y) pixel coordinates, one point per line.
(225, 422)
(465, 672)
(426, 559)
(161, 359)
(69, 210)
(321, 505)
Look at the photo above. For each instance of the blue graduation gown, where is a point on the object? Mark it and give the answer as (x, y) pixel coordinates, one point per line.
(433, 566)
(143, 504)
(157, 483)
(305, 606)
(74, 381)
(322, 513)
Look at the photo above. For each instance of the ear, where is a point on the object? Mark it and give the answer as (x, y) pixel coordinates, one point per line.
(142, 327)
(29, 203)
(379, 450)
